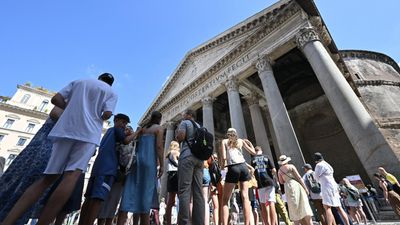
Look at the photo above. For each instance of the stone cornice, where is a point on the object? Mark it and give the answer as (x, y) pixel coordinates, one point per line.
(266, 24)
(361, 83)
(361, 54)
(389, 123)
(49, 94)
(28, 112)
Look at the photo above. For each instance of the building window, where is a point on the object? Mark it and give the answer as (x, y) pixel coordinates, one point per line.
(43, 105)
(21, 142)
(8, 123)
(10, 158)
(30, 127)
(25, 99)
(1, 137)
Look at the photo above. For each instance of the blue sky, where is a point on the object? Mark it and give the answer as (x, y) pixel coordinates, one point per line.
(50, 43)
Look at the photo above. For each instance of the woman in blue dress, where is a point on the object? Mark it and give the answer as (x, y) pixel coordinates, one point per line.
(141, 186)
(27, 168)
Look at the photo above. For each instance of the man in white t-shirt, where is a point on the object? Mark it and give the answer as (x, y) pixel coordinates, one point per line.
(86, 104)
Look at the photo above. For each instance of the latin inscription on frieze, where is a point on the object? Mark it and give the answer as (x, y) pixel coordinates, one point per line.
(210, 85)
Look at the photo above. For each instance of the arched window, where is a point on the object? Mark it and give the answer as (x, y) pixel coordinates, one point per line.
(25, 99)
(43, 105)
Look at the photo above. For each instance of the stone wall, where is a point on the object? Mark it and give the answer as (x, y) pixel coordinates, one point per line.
(377, 78)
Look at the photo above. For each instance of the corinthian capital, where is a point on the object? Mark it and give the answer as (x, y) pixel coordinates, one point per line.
(231, 84)
(306, 35)
(170, 125)
(207, 101)
(252, 99)
(263, 64)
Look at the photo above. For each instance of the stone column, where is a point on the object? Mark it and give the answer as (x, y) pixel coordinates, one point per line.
(235, 107)
(236, 111)
(285, 135)
(368, 142)
(208, 116)
(258, 124)
(169, 136)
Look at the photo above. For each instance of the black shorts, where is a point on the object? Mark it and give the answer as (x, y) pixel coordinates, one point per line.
(172, 182)
(237, 172)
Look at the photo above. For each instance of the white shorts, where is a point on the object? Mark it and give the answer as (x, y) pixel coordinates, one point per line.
(69, 155)
(266, 194)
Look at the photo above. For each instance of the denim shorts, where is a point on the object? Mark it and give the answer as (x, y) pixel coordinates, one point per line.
(206, 177)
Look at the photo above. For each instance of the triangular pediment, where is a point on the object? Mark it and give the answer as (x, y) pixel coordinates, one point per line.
(202, 60)
(198, 64)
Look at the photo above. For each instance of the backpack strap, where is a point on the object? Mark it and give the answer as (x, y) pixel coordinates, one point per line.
(194, 127)
(173, 162)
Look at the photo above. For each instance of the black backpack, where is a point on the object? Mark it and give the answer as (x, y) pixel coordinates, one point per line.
(311, 183)
(215, 173)
(201, 145)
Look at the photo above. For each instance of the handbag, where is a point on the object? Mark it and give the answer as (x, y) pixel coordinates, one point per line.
(126, 156)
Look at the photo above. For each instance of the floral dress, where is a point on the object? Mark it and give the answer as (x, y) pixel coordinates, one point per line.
(24, 171)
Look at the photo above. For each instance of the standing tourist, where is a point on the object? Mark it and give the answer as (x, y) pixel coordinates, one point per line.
(314, 190)
(388, 193)
(216, 176)
(280, 206)
(237, 172)
(75, 137)
(27, 168)
(264, 173)
(329, 189)
(391, 179)
(206, 190)
(296, 192)
(172, 180)
(141, 185)
(190, 175)
(104, 169)
(353, 198)
(110, 205)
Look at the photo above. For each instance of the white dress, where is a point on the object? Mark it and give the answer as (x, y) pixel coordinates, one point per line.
(329, 187)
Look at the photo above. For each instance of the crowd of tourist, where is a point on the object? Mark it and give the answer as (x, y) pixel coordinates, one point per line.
(45, 181)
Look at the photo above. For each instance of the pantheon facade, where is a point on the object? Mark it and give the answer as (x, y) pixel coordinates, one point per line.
(279, 79)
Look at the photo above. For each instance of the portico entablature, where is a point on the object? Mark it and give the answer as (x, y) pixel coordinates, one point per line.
(236, 64)
(276, 37)
(257, 28)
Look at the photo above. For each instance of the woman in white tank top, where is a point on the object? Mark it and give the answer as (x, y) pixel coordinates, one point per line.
(172, 180)
(237, 172)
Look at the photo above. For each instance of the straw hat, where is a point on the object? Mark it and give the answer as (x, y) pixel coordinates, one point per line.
(283, 159)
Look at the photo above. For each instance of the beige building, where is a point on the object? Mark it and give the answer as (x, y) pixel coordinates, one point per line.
(21, 117)
(279, 79)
